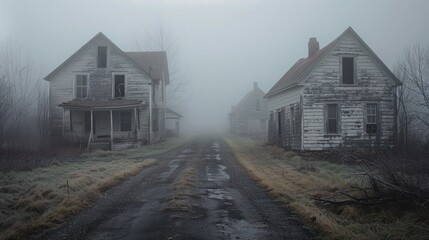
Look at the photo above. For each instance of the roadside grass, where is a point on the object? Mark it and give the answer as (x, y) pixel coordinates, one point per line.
(45, 197)
(295, 181)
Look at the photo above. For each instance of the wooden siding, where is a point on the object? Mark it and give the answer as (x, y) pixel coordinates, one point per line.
(323, 86)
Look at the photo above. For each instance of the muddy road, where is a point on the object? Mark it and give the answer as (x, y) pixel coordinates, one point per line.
(198, 191)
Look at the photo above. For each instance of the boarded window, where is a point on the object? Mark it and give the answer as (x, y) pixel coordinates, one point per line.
(102, 57)
(348, 70)
(119, 86)
(81, 86)
(126, 121)
(258, 104)
(292, 120)
(332, 118)
(371, 118)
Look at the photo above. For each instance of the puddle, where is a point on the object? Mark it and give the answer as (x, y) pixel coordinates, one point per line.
(217, 156)
(215, 146)
(216, 173)
(172, 165)
(218, 194)
(241, 229)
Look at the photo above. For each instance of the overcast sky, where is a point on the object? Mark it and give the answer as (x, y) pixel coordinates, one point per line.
(225, 45)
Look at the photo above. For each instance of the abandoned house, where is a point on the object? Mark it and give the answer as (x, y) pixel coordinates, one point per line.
(342, 95)
(249, 116)
(106, 98)
(172, 123)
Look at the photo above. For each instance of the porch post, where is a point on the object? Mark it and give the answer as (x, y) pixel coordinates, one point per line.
(91, 132)
(64, 117)
(135, 124)
(111, 129)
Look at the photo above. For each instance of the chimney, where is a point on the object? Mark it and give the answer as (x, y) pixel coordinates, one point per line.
(255, 85)
(313, 46)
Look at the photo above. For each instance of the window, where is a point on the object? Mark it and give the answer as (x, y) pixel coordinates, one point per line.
(292, 121)
(102, 57)
(126, 121)
(371, 118)
(119, 86)
(258, 104)
(279, 123)
(332, 119)
(81, 86)
(348, 74)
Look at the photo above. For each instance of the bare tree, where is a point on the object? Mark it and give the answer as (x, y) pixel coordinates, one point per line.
(413, 96)
(16, 93)
(158, 39)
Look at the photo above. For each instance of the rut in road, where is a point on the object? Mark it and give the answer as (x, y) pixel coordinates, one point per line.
(198, 191)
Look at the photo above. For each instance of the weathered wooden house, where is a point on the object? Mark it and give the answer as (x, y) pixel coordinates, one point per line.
(249, 117)
(342, 95)
(172, 124)
(104, 97)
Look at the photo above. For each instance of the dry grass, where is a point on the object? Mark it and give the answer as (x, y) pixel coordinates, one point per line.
(294, 181)
(44, 197)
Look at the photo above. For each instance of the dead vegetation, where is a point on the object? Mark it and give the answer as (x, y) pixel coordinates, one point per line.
(297, 182)
(46, 196)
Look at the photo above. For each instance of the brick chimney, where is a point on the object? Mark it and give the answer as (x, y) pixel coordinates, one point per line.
(313, 46)
(255, 85)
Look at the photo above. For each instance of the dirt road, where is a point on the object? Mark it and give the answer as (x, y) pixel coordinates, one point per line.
(198, 191)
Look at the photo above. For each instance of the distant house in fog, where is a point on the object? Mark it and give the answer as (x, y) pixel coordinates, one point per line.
(342, 95)
(172, 122)
(249, 116)
(106, 98)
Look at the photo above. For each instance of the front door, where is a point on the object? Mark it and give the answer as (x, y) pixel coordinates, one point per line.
(101, 125)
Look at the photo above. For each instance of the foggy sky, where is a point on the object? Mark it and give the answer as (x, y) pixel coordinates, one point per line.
(225, 45)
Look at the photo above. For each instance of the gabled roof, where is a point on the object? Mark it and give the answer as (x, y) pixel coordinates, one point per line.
(155, 63)
(100, 34)
(245, 99)
(173, 113)
(300, 70)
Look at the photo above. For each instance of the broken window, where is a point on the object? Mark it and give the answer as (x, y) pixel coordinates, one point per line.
(371, 118)
(348, 70)
(258, 104)
(332, 119)
(119, 85)
(102, 57)
(81, 86)
(125, 121)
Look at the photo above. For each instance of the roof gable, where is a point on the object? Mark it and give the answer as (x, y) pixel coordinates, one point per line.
(246, 98)
(84, 47)
(302, 68)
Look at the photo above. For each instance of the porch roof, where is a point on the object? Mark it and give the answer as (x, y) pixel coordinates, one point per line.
(108, 104)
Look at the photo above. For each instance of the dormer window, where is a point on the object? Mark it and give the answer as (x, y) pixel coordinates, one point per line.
(348, 70)
(119, 86)
(102, 57)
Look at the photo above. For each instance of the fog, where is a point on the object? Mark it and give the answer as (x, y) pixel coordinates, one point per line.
(223, 46)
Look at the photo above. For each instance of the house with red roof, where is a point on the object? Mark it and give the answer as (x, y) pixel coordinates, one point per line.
(249, 116)
(103, 97)
(342, 95)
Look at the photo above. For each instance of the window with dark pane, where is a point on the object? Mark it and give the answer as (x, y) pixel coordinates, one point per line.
(348, 70)
(279, 123)
(125, 121)
(332, 118)
(119, 86)
(371, 118)
(81, 86)
(102, 57)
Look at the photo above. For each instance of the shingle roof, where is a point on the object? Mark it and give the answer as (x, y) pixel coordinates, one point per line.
(105, 104)
(155, 63)
(299, 71)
